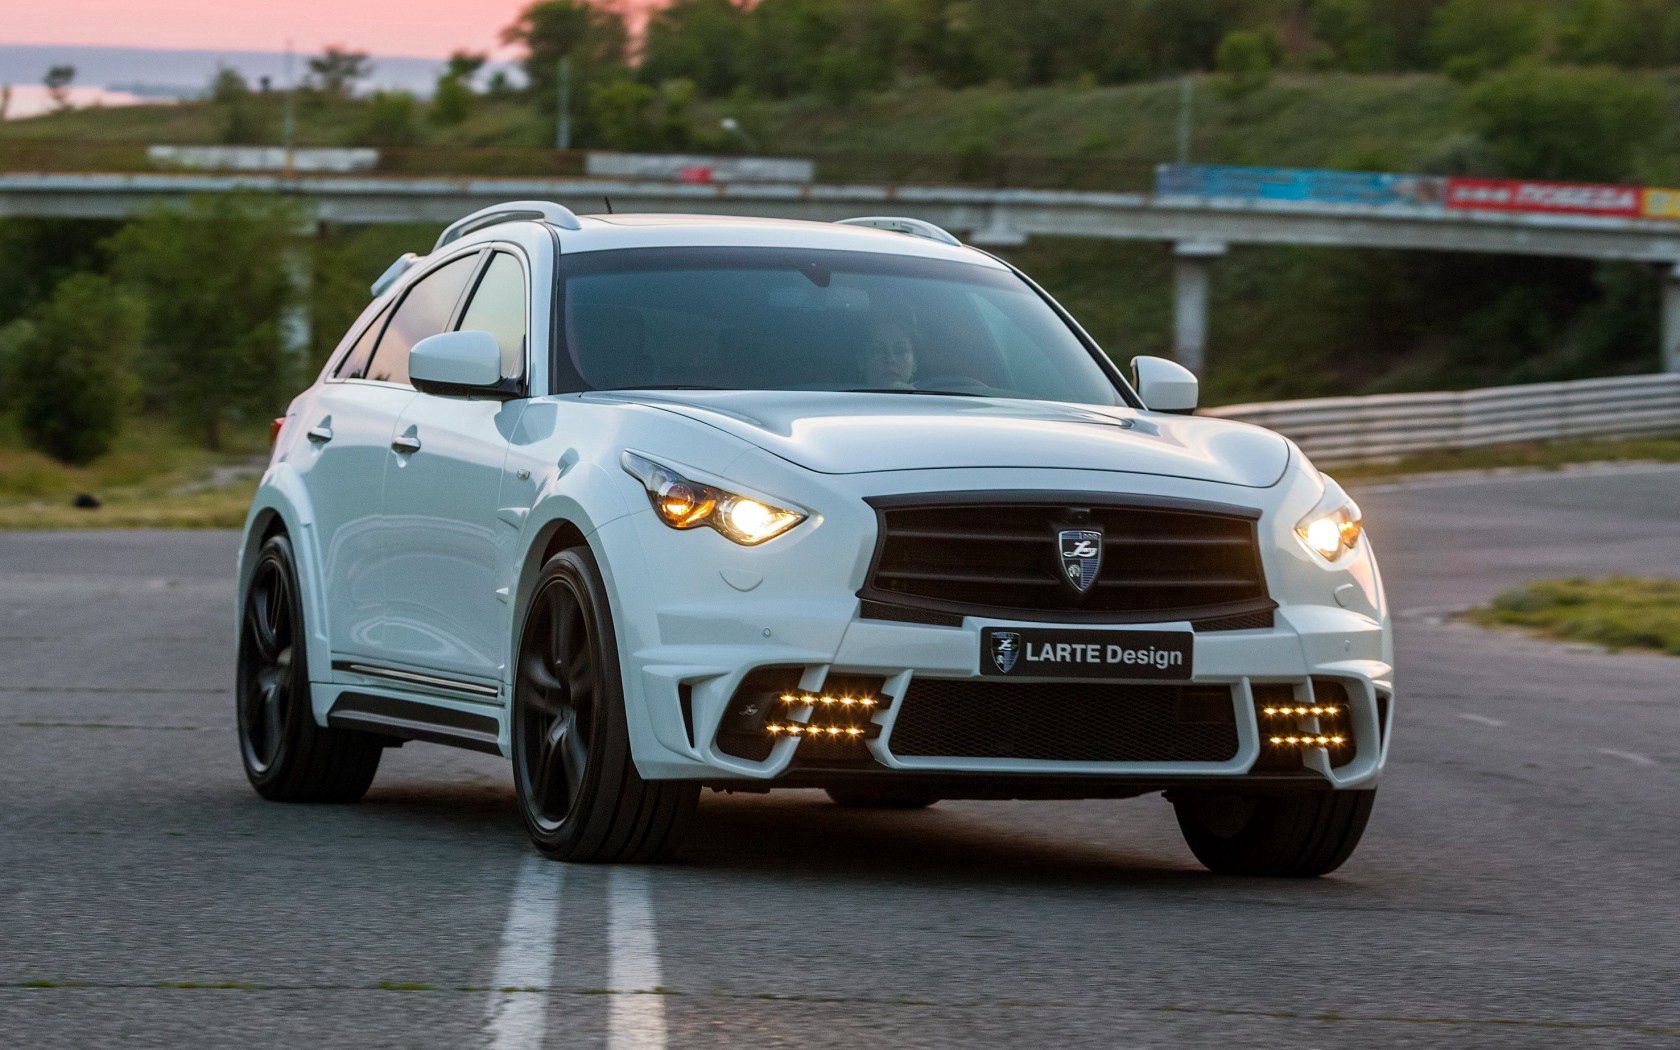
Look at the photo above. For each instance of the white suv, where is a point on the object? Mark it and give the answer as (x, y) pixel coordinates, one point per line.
(651, 503)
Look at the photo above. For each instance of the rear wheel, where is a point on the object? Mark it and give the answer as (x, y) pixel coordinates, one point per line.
(578, 788)
(287, 756)
(882, 796)
(1300, 835)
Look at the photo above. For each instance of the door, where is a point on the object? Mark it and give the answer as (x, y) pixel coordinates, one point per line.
(442, 482)
(350, 425)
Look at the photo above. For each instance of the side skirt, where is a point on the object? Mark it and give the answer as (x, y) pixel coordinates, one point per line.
(415, 720)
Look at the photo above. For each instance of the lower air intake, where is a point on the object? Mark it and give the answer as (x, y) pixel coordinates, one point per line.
(1065, 722)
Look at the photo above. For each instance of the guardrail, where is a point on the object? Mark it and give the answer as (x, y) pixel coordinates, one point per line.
(1388, 426)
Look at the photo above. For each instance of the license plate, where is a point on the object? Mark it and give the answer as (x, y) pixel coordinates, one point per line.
(1024, 652)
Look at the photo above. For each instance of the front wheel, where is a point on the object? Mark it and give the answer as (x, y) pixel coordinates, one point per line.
(578, 788)
(1299, 835)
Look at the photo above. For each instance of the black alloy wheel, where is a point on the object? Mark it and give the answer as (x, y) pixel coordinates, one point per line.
(287, 757)
(579, 791)
(559, 690)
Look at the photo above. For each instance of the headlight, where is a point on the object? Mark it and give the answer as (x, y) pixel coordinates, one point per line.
(684, 504)
(1333, 527)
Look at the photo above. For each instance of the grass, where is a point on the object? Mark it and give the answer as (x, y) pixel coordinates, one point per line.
(1538, 454)
(151, 478)
(1622, 612)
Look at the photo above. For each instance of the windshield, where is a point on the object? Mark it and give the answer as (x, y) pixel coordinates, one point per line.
(782, 319)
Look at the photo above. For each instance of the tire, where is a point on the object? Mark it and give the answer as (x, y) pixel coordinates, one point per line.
(882, 796)
(1300, 835)
(577, 784)
(287, 756)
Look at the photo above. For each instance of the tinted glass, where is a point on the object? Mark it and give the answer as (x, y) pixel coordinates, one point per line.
(498, 307)
(355, 362)
(424, 311)
(776, 319)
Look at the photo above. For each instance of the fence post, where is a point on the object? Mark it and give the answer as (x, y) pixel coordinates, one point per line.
(1670, 357)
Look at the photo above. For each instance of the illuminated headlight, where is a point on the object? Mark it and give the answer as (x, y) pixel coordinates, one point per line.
(684, 504)
(1332, 528)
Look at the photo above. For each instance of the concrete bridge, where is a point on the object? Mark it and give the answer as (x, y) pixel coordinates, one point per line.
(1201, 229)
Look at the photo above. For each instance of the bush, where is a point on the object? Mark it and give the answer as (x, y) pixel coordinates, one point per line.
(70, 378)
(216, 277)
(390, 118)
(1550, 122)
(1246, 59)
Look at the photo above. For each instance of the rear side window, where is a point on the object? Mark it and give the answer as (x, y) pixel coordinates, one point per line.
(424, 311)
(498, 307)
(354, 365)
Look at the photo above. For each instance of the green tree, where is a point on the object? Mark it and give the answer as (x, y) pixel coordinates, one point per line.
(621, 113)
(1632, 34)
(1550, 122)
(69, 373)
(1246, 59)
(239, 120)
(215, 277)
(705, 41)
(57, 82)
(452, 101)
(335, 71)
(1470, 37)
(591, 37)
(390, 118)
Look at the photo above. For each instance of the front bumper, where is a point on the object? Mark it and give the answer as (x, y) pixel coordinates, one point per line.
(696, 615)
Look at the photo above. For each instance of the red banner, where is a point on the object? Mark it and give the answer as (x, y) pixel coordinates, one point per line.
(1556, 198)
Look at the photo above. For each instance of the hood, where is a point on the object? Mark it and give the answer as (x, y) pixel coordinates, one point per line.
(844, 433)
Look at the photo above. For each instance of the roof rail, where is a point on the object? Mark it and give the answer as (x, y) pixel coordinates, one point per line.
(899, 224)
(513, 211)
(392, 272)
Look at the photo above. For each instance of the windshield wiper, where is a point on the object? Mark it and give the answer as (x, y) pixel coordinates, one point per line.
(904, 390)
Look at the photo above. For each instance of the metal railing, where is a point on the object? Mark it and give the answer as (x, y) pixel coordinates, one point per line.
(1389, 426)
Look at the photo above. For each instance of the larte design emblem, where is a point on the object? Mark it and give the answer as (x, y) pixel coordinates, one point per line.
(1081, 552)
(1006, 649)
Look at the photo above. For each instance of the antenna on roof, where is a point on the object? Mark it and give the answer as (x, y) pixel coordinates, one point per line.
(609, 204)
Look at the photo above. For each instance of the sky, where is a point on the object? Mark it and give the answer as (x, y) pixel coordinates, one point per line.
(387, 27)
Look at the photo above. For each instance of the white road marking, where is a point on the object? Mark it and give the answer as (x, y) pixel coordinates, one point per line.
(637, 1018)
(1483, 719)
(1629, 756)
(526, 961)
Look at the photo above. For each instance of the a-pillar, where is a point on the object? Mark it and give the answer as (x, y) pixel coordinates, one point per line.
(1191, 261)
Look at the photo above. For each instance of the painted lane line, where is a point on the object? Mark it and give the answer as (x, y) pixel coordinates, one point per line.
(637, 1018)
(1629, 756)
(1483, 719)
(526, 961)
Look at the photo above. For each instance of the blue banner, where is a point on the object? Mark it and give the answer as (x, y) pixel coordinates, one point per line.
(1316, 185)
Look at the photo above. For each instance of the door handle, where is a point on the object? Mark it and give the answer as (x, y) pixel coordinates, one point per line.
(405, 444)
(320, 435)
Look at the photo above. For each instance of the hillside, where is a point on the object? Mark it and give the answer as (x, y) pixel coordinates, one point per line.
(1288, 322)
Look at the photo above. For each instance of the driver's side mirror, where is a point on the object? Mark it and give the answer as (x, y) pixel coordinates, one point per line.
(459, 364)
(1165, 386)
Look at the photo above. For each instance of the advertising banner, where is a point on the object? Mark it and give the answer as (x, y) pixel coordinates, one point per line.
(1661, 204)
(1549, 198)
(1315, 185)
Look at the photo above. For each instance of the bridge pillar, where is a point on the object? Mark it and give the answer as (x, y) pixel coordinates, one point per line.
(1191, 261)
(1670, 355)
(298, 259)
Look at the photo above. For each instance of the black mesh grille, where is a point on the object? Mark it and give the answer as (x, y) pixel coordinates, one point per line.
(1159, 562)
(1062, 722)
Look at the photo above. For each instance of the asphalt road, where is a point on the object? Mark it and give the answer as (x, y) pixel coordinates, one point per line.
(1516, 887)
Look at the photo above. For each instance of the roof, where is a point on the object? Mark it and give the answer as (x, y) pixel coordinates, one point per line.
(664, 230)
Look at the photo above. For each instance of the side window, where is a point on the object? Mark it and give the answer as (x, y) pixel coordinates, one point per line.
(498, 307)
(355, 362)
(424, 311)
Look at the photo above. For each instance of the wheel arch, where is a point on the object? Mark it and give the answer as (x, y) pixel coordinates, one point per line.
(281, 506)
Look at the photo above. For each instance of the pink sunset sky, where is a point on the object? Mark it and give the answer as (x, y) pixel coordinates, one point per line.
(387, 27)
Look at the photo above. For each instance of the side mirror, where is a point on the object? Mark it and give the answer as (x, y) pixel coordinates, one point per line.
(1165, 386)
(458, 364)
